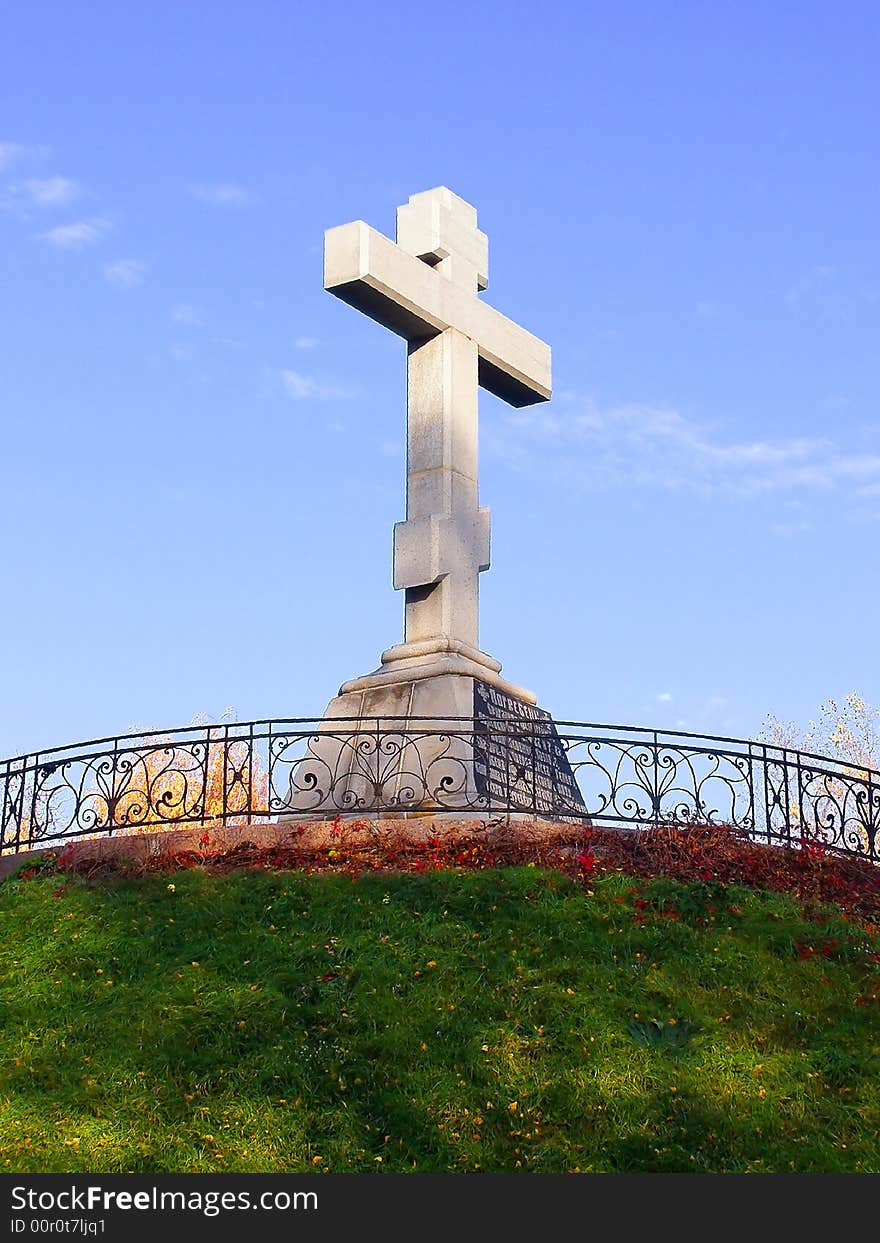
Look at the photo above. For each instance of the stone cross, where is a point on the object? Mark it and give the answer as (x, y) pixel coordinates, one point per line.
(425, 289)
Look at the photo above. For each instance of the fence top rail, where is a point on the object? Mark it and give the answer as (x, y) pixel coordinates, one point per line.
(267, 726)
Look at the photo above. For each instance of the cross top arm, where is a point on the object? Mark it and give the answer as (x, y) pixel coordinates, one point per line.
(427, 282)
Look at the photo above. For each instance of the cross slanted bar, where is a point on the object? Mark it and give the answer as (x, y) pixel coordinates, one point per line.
(425, 288)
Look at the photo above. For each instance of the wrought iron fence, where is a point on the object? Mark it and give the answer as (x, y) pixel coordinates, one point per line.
(268, 770)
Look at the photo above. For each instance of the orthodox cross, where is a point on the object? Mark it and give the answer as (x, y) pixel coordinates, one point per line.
(425, 288)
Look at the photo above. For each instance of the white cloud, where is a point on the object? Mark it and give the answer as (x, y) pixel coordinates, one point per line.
(297, 386)
(78, 235)
(302, 388)
(637, 444)
(864, 514)
(306, 343)
(185, 314)
(14, 152)
(664, 698)
(21, 197)
(125, 273)
(814, 282)
(50, 191)
(832, 292)
(789, 530)
(9, 153)
(222, 194)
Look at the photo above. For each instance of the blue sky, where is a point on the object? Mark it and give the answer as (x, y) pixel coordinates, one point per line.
(203, 452)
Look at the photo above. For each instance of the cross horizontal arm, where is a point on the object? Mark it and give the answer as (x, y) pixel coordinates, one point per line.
(406, 295)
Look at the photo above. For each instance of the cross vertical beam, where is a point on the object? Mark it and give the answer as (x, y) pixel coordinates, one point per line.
(444, 543)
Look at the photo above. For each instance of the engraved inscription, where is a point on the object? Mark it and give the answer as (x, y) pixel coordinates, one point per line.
(519, 759)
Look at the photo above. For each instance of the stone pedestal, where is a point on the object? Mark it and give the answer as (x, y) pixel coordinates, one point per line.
(435, 728)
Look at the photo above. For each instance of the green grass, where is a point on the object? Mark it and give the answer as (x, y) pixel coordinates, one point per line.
(491, 1020)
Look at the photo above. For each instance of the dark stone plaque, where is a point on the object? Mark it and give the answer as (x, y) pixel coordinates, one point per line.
(519, 759)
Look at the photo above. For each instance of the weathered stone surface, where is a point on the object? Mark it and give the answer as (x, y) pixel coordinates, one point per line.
(437, 225)
(447, 740)
(375, 750)
(403, 293)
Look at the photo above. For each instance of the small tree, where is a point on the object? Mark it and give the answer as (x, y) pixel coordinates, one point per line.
(849, 733)
(152, 781)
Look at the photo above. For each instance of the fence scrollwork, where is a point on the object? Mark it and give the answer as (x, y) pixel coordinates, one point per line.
(265, 770)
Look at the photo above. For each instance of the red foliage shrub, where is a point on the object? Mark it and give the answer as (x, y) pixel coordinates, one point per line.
(712, 855)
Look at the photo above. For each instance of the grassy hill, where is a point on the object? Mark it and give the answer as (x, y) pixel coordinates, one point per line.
(508, 1018)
